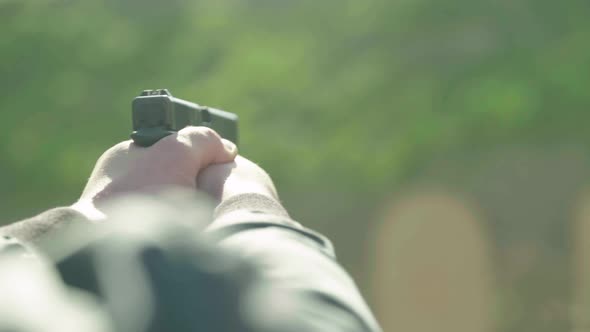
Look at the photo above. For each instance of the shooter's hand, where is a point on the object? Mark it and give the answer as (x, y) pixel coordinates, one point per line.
(174, 161)
(241, 176)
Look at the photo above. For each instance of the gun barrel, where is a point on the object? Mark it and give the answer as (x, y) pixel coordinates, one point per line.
(156, 114)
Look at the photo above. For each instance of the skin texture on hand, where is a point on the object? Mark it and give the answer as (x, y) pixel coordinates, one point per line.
(241, 176)
(174, 161)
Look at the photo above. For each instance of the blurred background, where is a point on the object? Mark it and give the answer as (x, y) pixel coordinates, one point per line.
(442, 145)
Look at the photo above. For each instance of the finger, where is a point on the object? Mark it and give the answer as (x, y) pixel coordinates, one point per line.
(115, 157)
(207, 146)
(231, 149)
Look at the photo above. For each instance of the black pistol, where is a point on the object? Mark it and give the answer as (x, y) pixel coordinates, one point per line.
(157, 114)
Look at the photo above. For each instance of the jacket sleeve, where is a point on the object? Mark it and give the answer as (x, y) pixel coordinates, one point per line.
(295, 261)
(303, 286)
(33, 230)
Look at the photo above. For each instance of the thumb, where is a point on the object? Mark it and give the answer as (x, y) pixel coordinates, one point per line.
(230, 151)
(207, 146)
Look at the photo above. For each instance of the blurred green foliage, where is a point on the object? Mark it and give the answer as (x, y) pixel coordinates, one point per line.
(353, 94)
(342, 97)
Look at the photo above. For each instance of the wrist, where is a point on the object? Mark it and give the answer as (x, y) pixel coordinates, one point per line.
(88, 210)
(247, 187)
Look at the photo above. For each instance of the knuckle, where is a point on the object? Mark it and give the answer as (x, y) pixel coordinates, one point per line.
(121, 147)
(200, 133)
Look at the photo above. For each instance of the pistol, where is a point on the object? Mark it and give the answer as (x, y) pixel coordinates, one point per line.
(156, 114)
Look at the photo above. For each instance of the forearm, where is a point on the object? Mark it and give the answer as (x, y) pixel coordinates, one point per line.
(33, 230)
(295, 260)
